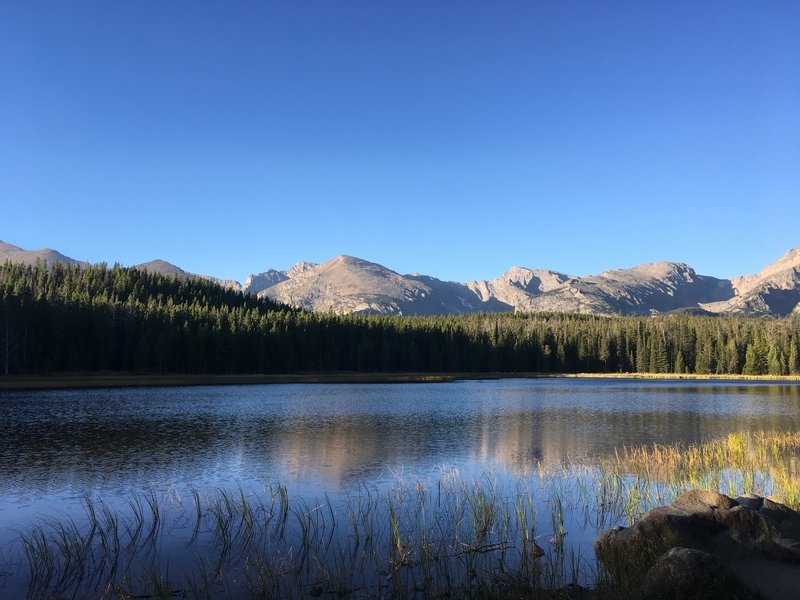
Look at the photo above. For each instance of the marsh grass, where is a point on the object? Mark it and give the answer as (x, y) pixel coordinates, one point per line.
(760, 463)
(492, 536)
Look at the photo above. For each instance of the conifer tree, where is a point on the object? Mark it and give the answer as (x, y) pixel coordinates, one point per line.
(755, 361)
(794, 356)
(680, 365)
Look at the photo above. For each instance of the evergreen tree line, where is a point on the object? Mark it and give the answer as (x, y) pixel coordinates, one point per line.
(87, 319)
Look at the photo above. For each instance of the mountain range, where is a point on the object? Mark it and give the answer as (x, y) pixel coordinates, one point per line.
(346, 284)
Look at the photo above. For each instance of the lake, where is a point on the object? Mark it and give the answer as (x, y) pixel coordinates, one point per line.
(58, 448)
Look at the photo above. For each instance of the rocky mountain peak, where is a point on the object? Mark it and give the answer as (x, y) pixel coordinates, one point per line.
(299, 268)
(657, 270)
(162, 267)
(261, 281)
(789, 261)
(343, 261)
(782, 272)
(6, 247)
(535, 280)
(15, 254)
(348, 284)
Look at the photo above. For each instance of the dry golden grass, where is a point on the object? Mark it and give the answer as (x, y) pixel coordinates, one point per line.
(764, 463)
(686, 376)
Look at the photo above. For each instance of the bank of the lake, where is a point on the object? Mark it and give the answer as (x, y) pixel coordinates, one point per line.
(123, 380)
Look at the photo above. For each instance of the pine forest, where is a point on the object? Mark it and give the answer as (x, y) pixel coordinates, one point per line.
(69, 319)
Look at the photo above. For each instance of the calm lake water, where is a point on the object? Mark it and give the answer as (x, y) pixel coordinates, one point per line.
(57, 447)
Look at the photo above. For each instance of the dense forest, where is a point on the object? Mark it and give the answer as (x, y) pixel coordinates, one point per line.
(74, 319)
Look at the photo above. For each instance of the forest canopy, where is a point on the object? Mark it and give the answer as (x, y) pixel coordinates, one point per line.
(61, 319)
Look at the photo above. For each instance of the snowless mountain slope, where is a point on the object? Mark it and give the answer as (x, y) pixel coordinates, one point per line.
(774, 291)
(15, 254)
(347, 284)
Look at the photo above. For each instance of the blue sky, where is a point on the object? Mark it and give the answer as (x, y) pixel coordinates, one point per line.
(450, 138)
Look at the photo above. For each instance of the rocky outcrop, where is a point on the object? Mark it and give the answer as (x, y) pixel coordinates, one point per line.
(518, 286)
(647, 289)
(347, 284)
(704, 539)
(774, 291)
(261, 281)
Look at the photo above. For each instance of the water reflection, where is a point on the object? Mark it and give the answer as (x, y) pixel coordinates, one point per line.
(333, 436)
(114, 444)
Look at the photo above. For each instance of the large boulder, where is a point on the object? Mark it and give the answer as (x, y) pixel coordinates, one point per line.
(689, 574)
(706, 537)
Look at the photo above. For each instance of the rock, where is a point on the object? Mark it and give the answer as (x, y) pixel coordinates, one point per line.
(573, 591)
(705, 534)
(536, 550)
(683, 573)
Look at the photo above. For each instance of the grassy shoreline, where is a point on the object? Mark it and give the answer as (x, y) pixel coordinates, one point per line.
(444, 536)
(103, 380)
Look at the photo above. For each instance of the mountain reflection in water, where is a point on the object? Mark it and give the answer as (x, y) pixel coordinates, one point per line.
(330, 437)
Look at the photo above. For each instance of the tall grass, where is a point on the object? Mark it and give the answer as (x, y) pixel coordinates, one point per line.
(495, 535)
(767, 464)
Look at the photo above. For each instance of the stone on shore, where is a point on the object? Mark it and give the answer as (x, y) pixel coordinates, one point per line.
(710, 543)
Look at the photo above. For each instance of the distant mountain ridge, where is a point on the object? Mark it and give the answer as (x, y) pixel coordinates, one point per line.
(15, 254)
(350, 285)
(346, 284)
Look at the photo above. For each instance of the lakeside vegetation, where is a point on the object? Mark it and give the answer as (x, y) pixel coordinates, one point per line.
(122, 380)
(492, 536)
(65, 319)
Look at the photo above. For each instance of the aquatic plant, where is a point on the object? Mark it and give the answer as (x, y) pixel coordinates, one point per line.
(495, 535)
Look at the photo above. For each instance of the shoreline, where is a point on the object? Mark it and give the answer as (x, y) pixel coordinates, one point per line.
(118, 380)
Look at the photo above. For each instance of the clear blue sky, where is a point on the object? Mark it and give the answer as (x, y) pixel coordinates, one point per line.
(454, 138)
